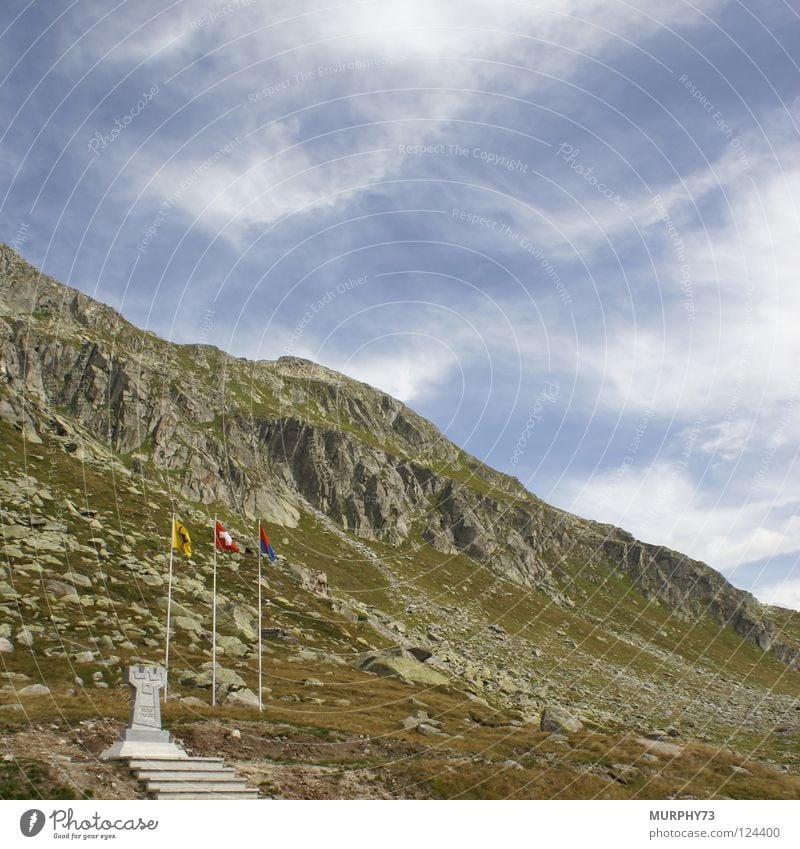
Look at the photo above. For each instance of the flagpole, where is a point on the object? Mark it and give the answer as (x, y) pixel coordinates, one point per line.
(214, 624)
(169, 601)
(260, 706)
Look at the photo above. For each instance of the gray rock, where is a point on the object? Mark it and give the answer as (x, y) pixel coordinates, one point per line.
(34, 690)
(429, 730)
(559, 720)
(185, 623)
(227, 679)
(658, 734)
(401, 664)
(242, 698)
(237, 619)
(8, 413)
(232, 646)
(84, 657)
(25, 638)
(657, 747)
(307, 654)
(6, 646)
(78, 580)
(61, 590)
(6, 590)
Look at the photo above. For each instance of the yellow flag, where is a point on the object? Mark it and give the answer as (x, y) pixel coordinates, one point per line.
(180, 538)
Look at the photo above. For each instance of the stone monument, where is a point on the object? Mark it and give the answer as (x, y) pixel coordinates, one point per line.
(144, 737)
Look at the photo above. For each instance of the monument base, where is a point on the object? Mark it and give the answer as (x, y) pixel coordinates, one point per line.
(124, 749)
(148, 743)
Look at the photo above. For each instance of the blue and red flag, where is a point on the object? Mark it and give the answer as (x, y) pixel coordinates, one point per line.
(266, 547)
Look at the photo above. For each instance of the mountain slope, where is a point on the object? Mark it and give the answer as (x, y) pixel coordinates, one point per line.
(263, 438)
(106, 429)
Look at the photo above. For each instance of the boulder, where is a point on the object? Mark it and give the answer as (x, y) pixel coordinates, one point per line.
(25, 638)
(657, 747)
(83, 657)
(242, 698)
(401, 664)
(61, 590)
(186, 623)
(227, 679)
(237, 619)
(344, 610)
(6, 646)
(7, 591)
(559, 720)
(78, 580)
(34, 690)
(429, 730)
(313, 581)
(232, 646)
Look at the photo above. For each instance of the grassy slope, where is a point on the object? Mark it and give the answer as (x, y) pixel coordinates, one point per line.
(609, 625)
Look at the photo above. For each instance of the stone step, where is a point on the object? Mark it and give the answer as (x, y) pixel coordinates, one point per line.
(192, 794)
(189, 778)
(213, 786)
(188, 775)
(176, 763)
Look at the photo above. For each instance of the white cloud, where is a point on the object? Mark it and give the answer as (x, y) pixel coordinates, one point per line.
(661, 503)
(238, 52)
(409, 374)
(782, 593)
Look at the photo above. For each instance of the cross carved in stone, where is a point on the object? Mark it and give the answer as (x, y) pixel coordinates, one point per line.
(146, 681)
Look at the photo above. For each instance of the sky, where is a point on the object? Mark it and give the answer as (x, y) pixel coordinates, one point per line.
(565, 231)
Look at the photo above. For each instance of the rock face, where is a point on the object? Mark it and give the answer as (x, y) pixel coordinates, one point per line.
(274, 439)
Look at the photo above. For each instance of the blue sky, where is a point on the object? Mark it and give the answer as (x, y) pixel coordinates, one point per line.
(565, 231)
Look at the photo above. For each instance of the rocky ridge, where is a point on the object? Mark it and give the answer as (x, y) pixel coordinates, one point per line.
(400, 554)
(281, 435)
